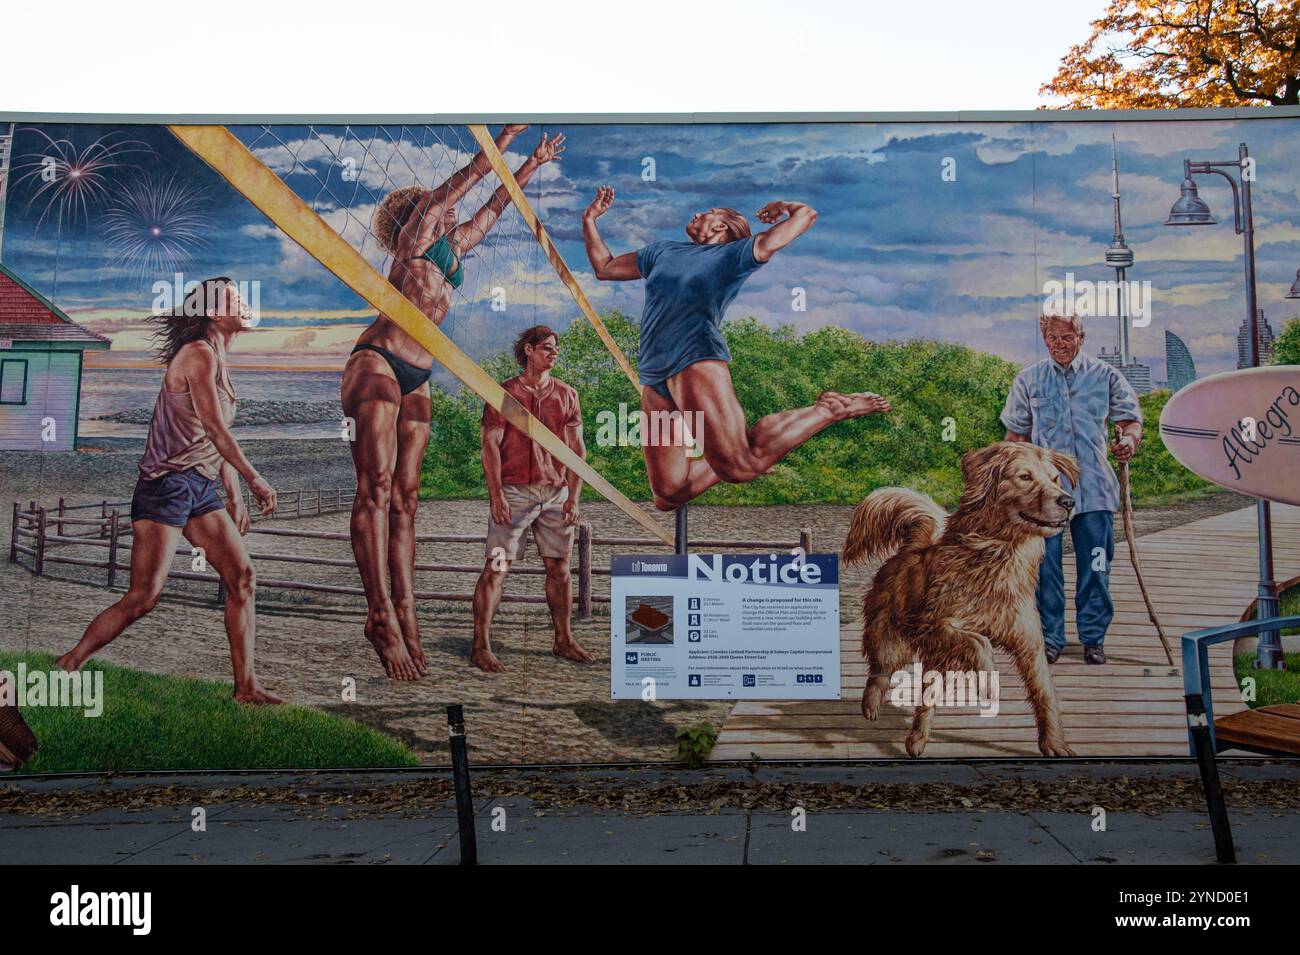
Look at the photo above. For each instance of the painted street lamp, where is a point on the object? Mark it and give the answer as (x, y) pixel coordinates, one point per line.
(1189, 210)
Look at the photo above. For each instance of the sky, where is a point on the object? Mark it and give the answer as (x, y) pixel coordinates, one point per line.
(898, 250)
(261, 57)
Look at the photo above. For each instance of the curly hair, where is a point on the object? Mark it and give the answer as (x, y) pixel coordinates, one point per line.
(531, 336)
(189, 323)
(392, 213)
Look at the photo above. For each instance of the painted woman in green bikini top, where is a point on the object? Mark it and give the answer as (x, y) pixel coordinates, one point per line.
(444, 257)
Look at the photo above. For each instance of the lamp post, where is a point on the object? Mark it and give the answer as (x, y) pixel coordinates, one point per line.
(1190, 209)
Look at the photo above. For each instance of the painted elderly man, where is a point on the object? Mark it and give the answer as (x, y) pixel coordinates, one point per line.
(1064, 403)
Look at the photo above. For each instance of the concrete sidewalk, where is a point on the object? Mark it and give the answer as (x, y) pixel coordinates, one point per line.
(151, 822)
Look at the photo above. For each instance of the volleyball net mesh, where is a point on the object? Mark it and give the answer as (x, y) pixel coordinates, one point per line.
(321, 186)
(344, 172)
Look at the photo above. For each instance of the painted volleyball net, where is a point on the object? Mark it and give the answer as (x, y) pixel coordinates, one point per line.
(322, 186)
(348, 174)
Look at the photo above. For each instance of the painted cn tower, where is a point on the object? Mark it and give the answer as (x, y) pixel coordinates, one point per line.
(1119, 257)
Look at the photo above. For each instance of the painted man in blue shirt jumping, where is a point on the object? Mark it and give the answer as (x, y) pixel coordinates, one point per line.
(683, 362)
(1063, 403)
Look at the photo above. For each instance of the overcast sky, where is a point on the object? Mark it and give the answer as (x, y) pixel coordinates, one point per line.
(417, 56)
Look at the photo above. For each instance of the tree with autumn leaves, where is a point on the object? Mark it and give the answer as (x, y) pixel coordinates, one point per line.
(1146, 54)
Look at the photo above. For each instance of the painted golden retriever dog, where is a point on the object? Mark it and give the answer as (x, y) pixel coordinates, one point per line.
(951, 589)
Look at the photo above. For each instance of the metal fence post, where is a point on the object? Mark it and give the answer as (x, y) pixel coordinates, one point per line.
(584, 570)
(40, 542)
(60, 521)
(681, 530)
(1198, 726)
(805, 540)
(13, 537)
(460, 776)
(112, 551)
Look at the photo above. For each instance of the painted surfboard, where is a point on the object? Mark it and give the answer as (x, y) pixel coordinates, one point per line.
(1241, 430)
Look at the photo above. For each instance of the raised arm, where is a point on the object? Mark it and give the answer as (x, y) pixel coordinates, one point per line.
(789, 220)
(469, 234)
(426, 219)
(198, 365)
(465, 178)
(607, 266)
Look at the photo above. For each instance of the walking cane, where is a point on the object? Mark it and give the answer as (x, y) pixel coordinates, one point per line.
(1124, 489)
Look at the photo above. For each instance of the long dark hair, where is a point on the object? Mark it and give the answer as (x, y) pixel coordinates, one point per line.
(188, 323)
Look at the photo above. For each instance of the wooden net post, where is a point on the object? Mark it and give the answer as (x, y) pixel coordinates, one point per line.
(584, 570)
(40, 542)
(112, 551)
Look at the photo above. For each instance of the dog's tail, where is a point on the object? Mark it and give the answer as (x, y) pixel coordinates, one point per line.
(891, 519)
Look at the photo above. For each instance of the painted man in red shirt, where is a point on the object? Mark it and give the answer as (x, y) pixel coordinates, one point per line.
(528, 488)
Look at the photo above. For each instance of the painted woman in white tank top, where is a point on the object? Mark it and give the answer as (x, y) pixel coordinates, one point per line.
(188, 449)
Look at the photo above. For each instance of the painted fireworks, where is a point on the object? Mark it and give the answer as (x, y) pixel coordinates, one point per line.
(156, 224)
(69, 181)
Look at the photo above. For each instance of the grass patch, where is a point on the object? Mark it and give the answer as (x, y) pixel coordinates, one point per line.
(175, 723)
(1275, 686)
(927, 382)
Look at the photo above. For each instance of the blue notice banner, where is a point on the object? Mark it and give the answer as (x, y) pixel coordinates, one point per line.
(725, 626)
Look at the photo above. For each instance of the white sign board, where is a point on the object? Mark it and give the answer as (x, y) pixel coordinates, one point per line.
(725, 626)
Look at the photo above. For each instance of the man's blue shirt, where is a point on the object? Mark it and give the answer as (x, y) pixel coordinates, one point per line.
(1067, 409)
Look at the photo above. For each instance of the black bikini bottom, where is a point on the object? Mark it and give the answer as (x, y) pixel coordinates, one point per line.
(409, 377)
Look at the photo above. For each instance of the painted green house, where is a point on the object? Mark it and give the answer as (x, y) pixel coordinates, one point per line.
(41, 353)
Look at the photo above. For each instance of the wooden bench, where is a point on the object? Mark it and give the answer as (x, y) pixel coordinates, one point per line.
(1269, 730)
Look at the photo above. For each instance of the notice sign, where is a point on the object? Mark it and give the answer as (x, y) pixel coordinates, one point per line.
(725, 626)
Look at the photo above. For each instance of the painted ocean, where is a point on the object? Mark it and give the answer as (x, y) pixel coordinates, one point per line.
(117, 402)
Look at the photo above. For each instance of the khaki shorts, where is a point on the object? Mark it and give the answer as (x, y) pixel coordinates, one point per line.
(540, 507)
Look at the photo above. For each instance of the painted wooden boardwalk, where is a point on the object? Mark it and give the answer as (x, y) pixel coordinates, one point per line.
(1199, 575)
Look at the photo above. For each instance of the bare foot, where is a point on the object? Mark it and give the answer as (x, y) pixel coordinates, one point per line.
(256, 696)
(385, 636)
(411, 636)
(486, 660)
(69, 662)
(857, 405)
(571, 650)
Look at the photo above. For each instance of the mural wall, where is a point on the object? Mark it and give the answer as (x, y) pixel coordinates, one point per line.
(307, 432)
